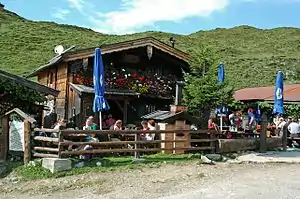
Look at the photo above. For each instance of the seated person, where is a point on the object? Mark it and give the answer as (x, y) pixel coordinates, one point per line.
(90, 125)
(116, 127)
(61, 124)
(211, 124)
(152, 127)
(145, 128)
(294, 128)
(110, 121)
(231, 118)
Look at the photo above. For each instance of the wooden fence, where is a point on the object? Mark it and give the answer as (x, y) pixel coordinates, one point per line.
(169, 141)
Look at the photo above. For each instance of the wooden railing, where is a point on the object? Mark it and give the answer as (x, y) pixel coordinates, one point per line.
(170, 141)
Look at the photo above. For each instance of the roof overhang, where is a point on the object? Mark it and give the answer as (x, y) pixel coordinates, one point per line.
(69, 55)
(170, 117)
(82, 89)
(30, 84)
(22, 114)
(127, 45)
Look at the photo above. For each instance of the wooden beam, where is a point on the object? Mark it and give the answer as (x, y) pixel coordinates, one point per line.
(43, 155)
(125, 112)
(48, 149)
(119, 105)
(27, 142)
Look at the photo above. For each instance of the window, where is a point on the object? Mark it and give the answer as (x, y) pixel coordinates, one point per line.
(150, 108)
(51, 78)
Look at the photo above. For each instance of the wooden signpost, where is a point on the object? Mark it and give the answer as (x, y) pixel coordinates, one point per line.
(263, 135)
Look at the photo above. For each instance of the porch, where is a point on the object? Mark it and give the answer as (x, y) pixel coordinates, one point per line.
(125, 104)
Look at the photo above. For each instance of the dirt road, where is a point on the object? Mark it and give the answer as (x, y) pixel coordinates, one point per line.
(234, 181)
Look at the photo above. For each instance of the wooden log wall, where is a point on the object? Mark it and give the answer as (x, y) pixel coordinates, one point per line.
(61, 104)
(56, 78)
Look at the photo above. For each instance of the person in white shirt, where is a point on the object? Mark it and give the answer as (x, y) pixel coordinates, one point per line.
(280, 123)
(279, 126)
(152, 127)
(62, 123)
(294, 128)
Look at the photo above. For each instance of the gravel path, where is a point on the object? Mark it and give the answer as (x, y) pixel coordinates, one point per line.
(234, 181)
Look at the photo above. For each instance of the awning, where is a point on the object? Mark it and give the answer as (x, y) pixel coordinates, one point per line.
(81, 89)
(170, 117)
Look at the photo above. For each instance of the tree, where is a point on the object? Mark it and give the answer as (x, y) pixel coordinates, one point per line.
(202, 91)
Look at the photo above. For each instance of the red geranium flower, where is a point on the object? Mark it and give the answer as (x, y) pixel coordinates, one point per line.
(134, 75)
(141, 78)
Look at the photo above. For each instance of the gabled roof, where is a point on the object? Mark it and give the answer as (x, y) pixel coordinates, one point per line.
(22, 114)
(110, 48)
(54, 60)
(291, 93)
(30, 84)
(169, 117)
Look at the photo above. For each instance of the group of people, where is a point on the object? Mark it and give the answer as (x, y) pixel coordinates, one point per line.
(109, 123)
(235, 119)
(292, 125)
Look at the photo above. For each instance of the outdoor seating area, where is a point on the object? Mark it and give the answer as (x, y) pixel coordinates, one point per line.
(118, 100)
(72, 143)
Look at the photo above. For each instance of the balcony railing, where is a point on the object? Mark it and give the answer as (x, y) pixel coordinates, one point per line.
(139, 81)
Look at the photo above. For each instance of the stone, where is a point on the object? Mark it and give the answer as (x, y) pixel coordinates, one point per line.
(32, 163)
(56, 164)
(214, 157)
(79, 165)
(138, 160)
(205, 160)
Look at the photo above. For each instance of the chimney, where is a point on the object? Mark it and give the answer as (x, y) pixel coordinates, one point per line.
(177, 107)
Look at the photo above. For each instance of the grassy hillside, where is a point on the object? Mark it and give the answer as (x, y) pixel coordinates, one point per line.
(251, 55)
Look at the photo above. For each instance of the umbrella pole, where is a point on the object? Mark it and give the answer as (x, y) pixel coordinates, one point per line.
(221, 123)
(100, 120)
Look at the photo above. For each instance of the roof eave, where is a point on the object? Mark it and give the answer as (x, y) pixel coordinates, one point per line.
(51, 62)
(30, 84)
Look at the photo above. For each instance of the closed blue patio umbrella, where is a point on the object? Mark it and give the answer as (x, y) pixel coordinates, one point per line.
(258, 114)
(100, 103)
(221, 78)
(278, 95)
(221, 73)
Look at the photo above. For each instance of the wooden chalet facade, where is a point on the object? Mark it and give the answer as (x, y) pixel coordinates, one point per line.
(140, 77)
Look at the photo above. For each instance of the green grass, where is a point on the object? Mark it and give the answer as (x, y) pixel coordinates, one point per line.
(253, 55)
(33, 172)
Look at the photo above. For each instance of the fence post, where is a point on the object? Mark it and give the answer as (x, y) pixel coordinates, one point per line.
(60, 140)
(213, 144)
(27, 142)
(263, 136)
(136, 146)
